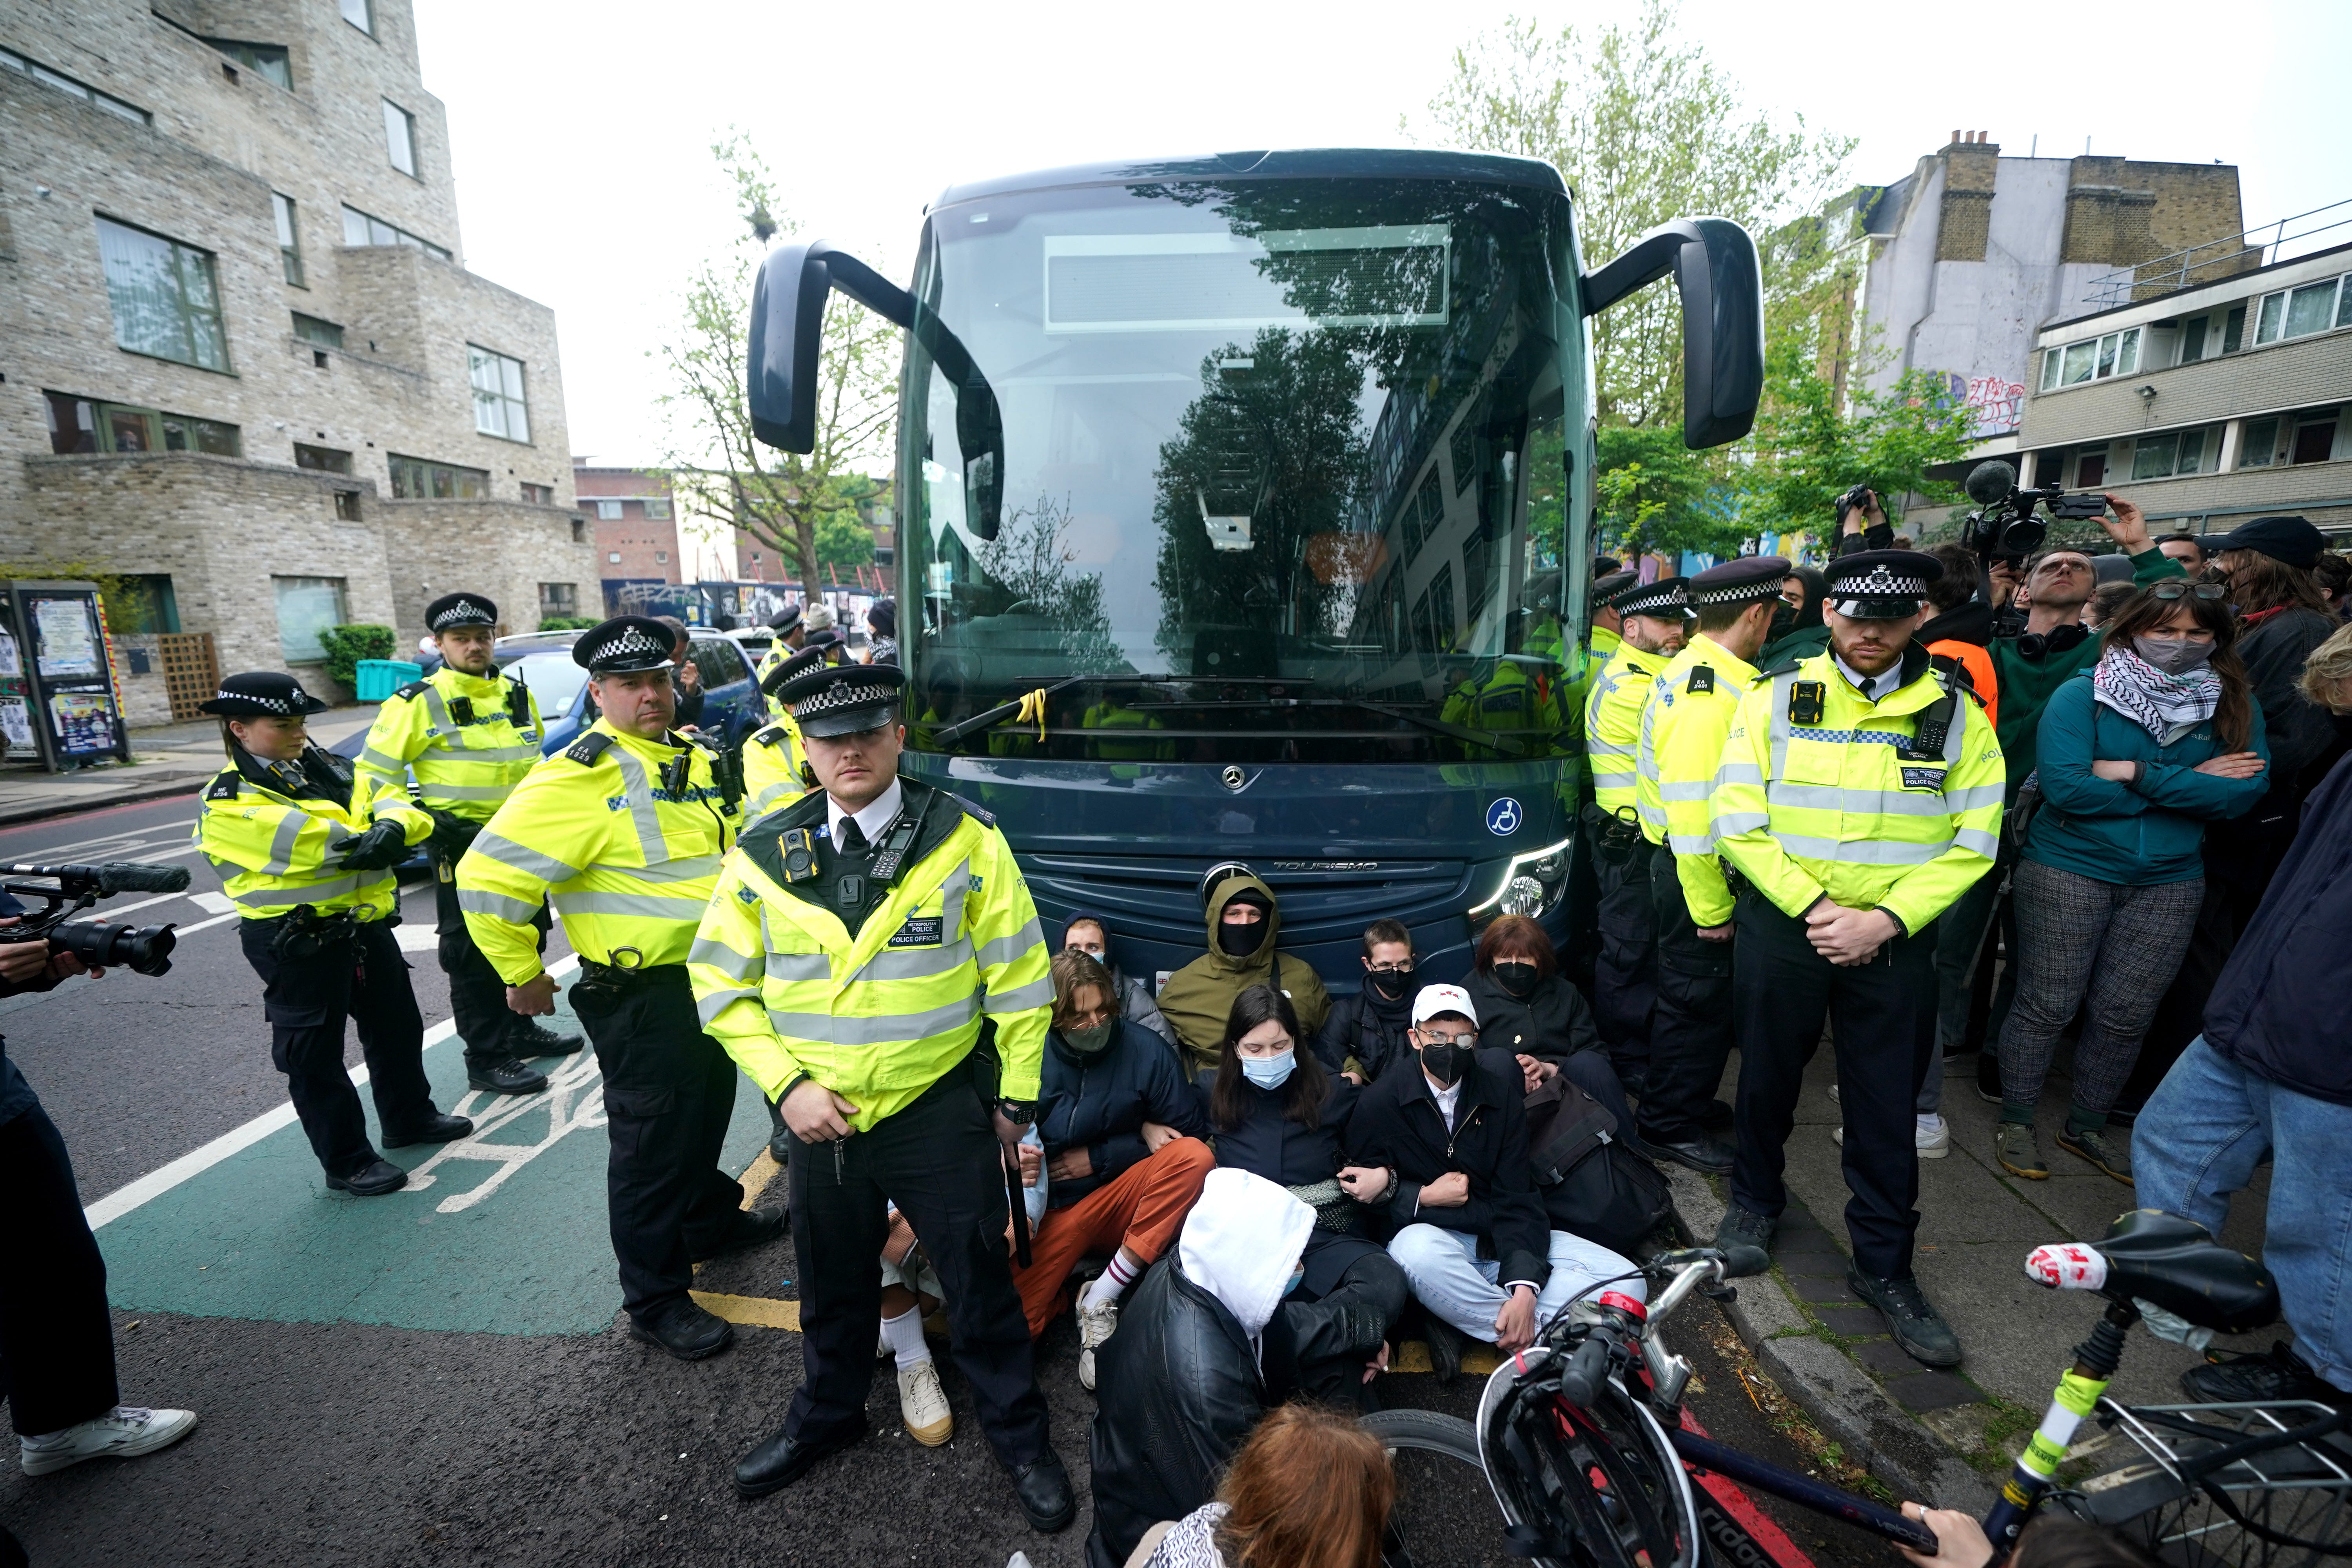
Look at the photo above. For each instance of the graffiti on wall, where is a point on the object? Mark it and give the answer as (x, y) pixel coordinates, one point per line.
(1997, 401)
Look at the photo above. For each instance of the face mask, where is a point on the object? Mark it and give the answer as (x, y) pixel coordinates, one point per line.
(1088, 1042)
(1516, 977)
(1387, 984)
(1446, 1064)
(1094, 952)
(2174, 655)
(1297, 1278)
(1269, 1072)
(1241, 941)
(1784, 621)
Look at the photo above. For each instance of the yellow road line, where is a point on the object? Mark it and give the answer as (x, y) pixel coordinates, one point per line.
(757, 1175)
(1412, 1355)
(752, 1312)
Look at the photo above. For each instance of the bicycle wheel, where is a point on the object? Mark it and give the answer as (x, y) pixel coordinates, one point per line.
(1445, 1515)
(2280, 1497)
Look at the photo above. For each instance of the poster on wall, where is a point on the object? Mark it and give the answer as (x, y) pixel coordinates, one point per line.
(62, 691)
(82, 721)
(64, 636)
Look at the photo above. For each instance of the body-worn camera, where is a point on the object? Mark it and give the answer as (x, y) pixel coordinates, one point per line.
(145, 950)
(2004, 524)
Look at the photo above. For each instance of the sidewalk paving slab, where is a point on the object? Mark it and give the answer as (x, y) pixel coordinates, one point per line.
(167, 759)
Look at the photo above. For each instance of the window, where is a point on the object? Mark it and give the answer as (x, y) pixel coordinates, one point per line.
(498, 407)
(2260, 447)
(347, 506)
(306, 606)
(11, 61)
(2234, 330)
(2314, 440)
(609, 511)
(266, 61)
(661, 557)
(538, 495)
(414, 478)
(2091, 468)
(2118, 354)
(360, 15)
(142, 603)
(2179, 452)
(289, 238)
(321, 459)
(559, 599)
(86, 425)
(2299, 312)
(2192, 340)
(658, 507)
(400, 137)
(720, 661)
(359, 229)
(165, 302)
(612, 557)
(310, 329)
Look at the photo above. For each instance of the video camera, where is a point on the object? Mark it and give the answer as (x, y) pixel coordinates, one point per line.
(2004, 526)
(147, 949)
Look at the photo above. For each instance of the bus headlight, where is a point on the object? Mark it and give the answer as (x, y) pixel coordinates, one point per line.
(1530, 884)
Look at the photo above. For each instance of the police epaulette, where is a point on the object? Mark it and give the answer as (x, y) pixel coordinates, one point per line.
(224, 787)
(984, 818)
(774, 735)
(1702, 679)
(1783, 667)
(413, 689)
(588, 748)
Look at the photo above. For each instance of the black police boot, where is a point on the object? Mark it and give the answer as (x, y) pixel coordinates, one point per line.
(1910, 1317)
(505, 1075)
(529, 1038)
(749, 1227)
(1043, 1487)
(1446, 1344)
(1745, 1239)
(371, 1180)
(683, 1329)
(1707, 1156)
(782, 1461)
(439, 1129)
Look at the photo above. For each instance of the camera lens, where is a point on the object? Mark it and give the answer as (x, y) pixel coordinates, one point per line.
(2023, 537)
(144, 949)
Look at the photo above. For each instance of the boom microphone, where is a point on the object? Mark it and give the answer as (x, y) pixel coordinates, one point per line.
(1991, 483)
(112, 876)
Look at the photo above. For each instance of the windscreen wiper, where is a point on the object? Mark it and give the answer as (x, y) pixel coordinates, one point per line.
(1488, 738)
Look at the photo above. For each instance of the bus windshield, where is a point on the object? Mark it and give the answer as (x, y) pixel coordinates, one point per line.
(1282, 472)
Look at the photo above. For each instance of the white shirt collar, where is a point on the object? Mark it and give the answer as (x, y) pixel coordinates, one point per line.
(871, 820)
(1868, 684)
(1447, 1098)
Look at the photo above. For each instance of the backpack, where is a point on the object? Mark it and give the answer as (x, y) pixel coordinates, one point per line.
(1592, 1185)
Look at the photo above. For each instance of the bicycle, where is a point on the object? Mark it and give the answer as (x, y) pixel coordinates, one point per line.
(1583, 1443)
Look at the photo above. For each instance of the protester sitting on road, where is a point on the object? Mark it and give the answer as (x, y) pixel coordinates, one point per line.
(1311, 1488)
(1279, 1115)
(1203, 1352)
(1245, 930)
(1086, 932)
(2160, 738)
(1124, 1154)
(1443, 1153)
(1364, 1036)
(1530, 1011)
(2271, 1074)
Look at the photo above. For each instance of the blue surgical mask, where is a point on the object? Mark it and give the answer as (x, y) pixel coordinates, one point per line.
(1297, 1278)
(1269, 1072)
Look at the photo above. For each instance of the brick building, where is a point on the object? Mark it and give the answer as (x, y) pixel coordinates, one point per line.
(245, 365)
(635, 522)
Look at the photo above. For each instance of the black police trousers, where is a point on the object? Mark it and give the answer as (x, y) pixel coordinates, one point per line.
(57, 1341)
(478, 997)
(306, 1001)
(940, 1161)
(670, 1090)
(1624, 964)
(1783, 993)
(1691, 1026)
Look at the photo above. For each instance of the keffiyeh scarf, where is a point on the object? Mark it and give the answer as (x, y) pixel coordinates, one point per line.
(2157, 702)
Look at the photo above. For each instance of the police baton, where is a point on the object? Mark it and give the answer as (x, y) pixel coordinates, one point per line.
(1020, 1205)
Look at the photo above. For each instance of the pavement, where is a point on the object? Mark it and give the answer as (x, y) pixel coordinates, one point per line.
(166, 760)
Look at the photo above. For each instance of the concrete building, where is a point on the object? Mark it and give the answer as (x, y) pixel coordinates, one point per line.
(2207, 404)
(246, 369)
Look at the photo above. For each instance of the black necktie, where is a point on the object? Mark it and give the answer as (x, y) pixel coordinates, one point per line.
(851, 839)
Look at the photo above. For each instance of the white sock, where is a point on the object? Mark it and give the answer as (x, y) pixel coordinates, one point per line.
(1111, 1283)
(905, 1334)
(1929, 1121)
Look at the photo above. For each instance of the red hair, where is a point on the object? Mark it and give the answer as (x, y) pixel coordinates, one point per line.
(1516, 936)
(1311, 1488)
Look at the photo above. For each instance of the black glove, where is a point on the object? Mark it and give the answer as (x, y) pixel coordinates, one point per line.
(453, 834)
(382, 845)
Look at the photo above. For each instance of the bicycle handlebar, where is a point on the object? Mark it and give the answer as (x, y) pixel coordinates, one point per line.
(1587, 1369)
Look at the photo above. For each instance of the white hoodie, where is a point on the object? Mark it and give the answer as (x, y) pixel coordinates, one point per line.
(1240, 1241)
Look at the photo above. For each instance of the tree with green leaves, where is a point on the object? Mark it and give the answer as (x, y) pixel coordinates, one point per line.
(1809, 447)
(1655, 494)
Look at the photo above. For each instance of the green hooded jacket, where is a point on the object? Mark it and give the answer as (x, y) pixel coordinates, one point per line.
(1199, 997)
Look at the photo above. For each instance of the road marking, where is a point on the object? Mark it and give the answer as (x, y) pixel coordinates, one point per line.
(155, 1183)
(415, 939)
(212, 903)
(755, 1311)
(570, 1100)
(1412, 1355)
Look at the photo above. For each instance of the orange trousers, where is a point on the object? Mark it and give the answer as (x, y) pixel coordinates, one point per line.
(1140, 1209)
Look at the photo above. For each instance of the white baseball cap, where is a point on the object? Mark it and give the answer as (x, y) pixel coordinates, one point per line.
(1432, 1000)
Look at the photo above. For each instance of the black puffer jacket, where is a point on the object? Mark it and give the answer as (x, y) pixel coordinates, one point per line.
(1100, 1105)
(1356, 1028)
(1553, 1022)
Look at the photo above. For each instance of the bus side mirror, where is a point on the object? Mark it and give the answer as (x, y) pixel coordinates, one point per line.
(788, 300)
(1714, 264)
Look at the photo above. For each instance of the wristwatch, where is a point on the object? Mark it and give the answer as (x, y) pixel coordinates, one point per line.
(1019, 1112)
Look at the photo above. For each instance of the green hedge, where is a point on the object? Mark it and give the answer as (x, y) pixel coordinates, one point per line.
(346, 646)
(566, 622)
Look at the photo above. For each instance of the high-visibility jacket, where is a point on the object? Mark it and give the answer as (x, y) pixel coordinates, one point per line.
(623, 835)
(1692, 703)
(778, 651)
(879, 1018)
(1601, 646)
(772, 769)
(1510, 698)
(469, 739)
(1613, 723)
(275, 850)
(1821, 790)
(1132, 746)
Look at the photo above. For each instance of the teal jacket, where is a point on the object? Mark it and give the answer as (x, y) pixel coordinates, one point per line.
(2139, 833)
(2025, 684)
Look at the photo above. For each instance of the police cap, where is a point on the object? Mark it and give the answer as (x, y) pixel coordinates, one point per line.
(459, 610)
(261, 694)
(844, 698)
(1881, 584)
(1747, 580)
(1663, 600)
(1605, 588)
(785, 620)
(623, 645)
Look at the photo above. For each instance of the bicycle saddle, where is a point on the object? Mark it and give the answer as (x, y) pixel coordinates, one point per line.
(2150, 1255)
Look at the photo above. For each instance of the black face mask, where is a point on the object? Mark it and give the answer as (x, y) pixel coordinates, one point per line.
(1241, 941)
(1516, 977)
(1784, 621)
(1446, 1064)
(1387, 984)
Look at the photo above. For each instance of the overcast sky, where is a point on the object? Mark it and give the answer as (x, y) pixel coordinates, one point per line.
(582, 130)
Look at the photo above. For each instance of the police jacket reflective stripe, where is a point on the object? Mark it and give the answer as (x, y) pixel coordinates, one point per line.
(623, 834)
(458, 734)
(880, 1016)
(1613, 724)
(1693, 702)
(1819, 790)
(772, 769)
(276, 844)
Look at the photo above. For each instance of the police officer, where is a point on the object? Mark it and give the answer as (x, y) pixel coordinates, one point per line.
(1603, 638)
(623, 829)
(470, 736)
(859, 951)
(305, 851)
(1651, 621)
(1859, 794)
(790, 637)
(1681, 741)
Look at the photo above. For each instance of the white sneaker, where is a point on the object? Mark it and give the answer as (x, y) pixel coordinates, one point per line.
(122, 1432)
(1095, 1325)
(1833, 1094)
(923, 1405)
(1929, 1142)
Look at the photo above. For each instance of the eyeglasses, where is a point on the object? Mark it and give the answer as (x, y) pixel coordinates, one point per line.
(1404, 968)
(2173, 588)
(1431, 1037)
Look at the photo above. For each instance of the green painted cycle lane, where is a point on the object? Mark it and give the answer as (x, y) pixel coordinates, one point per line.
(502, 1232)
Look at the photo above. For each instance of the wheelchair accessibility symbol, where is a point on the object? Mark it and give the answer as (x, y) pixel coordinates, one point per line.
(1503, 817)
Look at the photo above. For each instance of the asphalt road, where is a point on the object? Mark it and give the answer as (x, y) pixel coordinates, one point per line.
(436, 1378)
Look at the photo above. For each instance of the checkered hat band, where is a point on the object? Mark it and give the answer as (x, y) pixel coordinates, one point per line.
(1879, 584)
(843, 694)
(275, 704)
(1733, 594)
(630, 640)
(1650, 603)
(468, 613)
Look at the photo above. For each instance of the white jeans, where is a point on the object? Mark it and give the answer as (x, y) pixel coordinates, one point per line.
(1451, 1281)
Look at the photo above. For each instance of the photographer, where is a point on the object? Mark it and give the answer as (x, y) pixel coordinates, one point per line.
(56, 1339)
